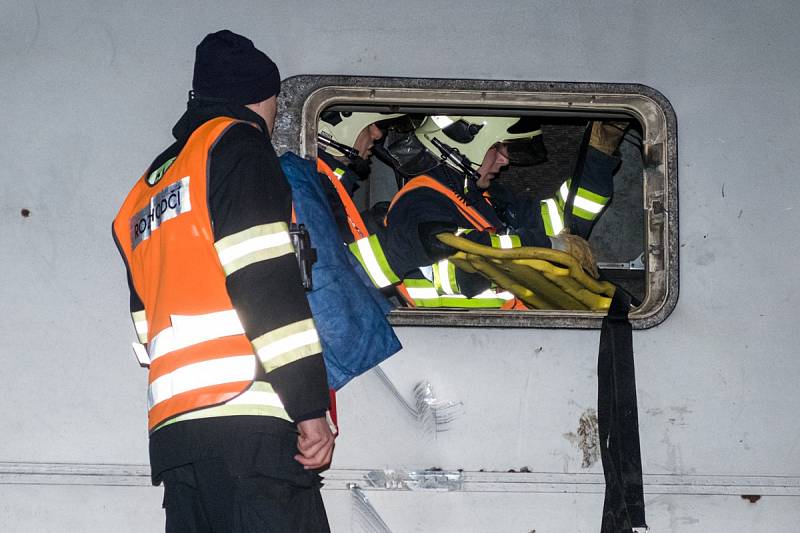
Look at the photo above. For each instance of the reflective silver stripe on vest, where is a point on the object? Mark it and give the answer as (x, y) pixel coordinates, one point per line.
(256, 397)
(258, 400)
(203, 374)
(252, 245)
(140, 325)
(188, 330)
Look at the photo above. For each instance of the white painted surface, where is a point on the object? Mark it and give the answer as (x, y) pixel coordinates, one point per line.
(91, 90)
(75, 509)
(503, 513)
(34, 508)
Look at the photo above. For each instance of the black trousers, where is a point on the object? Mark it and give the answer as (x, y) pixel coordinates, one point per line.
(256, 486)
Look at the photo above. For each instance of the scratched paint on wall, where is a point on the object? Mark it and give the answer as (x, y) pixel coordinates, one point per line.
(585, 438)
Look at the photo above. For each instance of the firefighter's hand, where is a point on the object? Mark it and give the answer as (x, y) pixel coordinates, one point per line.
(607, 135)
(577, 248)
(436, 249)
(315, 444)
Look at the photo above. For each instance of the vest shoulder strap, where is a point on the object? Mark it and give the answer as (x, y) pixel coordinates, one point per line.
(474, 217)
(355, 222)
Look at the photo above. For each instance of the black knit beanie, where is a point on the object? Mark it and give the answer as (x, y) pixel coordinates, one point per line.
(229, 67)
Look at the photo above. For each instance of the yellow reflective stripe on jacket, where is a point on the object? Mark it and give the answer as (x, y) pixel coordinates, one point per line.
(140, 325)
(552, 217)
(287, 344)
(586, 204)
(228, 369)
(444, 272)
(444, 277)
(505, 241)
(421, 290)
(188, 330)
(369, 253)
(252, 245)
(491, 294)
(424, 294)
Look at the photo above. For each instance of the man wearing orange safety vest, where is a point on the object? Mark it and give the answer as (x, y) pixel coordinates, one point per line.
(237, 392)
(452, 190)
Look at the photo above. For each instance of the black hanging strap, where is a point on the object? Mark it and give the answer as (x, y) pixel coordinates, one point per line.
(618, 423)
(577, 174)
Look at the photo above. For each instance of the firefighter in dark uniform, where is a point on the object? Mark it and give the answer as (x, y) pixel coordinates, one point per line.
(238, 390)
(453, 191)
(346, 140)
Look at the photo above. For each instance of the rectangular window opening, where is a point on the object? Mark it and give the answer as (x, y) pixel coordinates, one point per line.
(634, 236)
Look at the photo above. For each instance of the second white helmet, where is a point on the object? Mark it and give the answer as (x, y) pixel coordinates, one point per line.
(473, 136)
(344, 127)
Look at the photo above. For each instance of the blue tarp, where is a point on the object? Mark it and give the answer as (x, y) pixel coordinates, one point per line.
(349, 312)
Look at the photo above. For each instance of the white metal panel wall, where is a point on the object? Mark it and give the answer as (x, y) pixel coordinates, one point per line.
(91, 89)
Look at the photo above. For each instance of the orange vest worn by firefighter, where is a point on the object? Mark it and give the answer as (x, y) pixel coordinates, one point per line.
(354, 220)
(198, 353)
(441, 292)
(474, 217)
(366, 247)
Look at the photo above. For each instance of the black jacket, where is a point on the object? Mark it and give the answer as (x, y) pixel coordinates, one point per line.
(404, 247)
(245, 188)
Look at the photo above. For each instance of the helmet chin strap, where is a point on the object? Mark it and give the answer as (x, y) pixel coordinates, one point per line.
(457, 160)
(357, 164)
(325, 140)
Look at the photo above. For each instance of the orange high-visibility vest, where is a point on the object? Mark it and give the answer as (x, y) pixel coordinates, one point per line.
(199, 355)
(474, 216)
(354, 221)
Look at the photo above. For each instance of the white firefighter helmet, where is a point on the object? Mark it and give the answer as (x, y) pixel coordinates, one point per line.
(343, 127)
(473, 136)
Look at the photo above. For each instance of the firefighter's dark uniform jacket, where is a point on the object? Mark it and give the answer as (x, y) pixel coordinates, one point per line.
(246, 192)
(403, 245)
(530, 221)
(362, 231)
